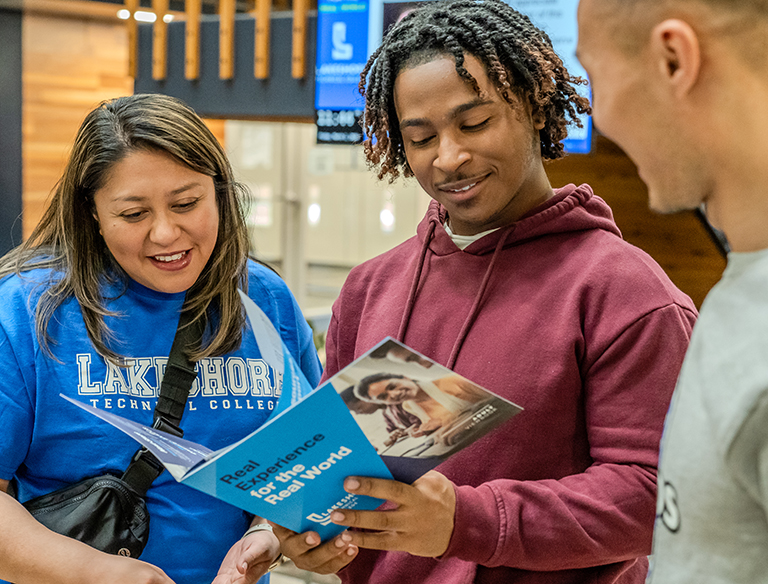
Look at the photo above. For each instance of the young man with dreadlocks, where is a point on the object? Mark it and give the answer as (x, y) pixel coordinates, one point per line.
(526, 290)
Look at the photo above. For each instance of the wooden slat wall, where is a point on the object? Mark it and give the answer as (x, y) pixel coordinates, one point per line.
(133, 37)
(226, 39)
(299, 56)
(69, 67)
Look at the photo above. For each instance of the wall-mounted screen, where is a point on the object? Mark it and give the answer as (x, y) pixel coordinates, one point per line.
(349, 31)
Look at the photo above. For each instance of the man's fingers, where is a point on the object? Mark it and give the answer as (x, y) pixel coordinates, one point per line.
(394, 491)
(337, 562)
(325, 559)
(383, 540)
(389, 520)
(421, 523)
(281, 532)
(307, 554)
(295, 544)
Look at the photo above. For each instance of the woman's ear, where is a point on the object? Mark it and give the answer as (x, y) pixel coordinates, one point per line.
(675, 47)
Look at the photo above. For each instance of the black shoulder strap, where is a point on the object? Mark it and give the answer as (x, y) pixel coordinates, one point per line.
(179, 376)
(178, 379)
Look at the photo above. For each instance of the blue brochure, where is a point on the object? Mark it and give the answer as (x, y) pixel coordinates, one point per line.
(391, 414)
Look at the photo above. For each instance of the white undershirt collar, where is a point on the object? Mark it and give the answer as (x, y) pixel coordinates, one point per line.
(462, 241)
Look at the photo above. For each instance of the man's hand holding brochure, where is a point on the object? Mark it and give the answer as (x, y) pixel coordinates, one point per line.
(391, 414)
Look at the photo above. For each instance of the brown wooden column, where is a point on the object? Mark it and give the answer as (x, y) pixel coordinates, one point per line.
(133, 36)
(261, 48)
(226, 39)
(160, 40)
(299, 53)
(193, 8)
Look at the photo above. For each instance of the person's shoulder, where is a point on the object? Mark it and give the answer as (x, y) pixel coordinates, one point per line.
(265, 286)
(736, 307)
(21, 292)
(632, 272)
(28, 283)
(263, 275)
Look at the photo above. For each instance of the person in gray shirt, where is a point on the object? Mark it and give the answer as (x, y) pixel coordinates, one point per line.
(682, 87)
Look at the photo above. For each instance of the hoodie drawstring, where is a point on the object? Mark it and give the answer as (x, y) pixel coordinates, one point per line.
(470, 320)
(415, 283)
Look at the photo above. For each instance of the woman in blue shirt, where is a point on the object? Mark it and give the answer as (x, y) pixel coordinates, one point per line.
(145, 220)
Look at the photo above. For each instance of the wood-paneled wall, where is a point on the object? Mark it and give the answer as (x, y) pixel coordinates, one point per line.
(69, 66)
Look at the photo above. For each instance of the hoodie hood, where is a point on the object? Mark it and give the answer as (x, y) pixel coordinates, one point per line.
(571, 209)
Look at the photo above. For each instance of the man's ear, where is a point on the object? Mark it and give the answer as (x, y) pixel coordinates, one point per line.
(675, 46)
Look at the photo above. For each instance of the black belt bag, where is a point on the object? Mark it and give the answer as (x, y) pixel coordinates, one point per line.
(105, 512)
(109, 512)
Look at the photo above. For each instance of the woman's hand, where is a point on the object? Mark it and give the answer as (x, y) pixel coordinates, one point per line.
(394, 436)
(249, 559)
(307, 553)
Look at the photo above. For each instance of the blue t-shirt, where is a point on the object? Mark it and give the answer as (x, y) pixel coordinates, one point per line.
(47, 443)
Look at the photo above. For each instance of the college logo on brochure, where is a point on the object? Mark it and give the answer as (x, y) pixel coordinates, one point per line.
(347, 502)
(667, 509)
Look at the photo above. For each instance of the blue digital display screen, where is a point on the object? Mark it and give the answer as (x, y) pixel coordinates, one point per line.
(342, 51)
(349, 31)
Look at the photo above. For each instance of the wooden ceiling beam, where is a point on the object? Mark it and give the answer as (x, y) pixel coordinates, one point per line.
(192, 40)
(226, 39)
(80, 9)
(159, 41)
(261, 48)
(299, 52)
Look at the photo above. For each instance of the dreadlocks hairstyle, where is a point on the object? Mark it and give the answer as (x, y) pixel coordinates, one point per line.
(67, 239)
(517, 56)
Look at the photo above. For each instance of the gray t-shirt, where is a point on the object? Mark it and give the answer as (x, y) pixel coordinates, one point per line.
(711, 522)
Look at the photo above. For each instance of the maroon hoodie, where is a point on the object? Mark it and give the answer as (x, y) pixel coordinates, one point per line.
(560, 315)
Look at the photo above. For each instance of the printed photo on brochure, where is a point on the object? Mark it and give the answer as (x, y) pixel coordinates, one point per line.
(415, 412)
